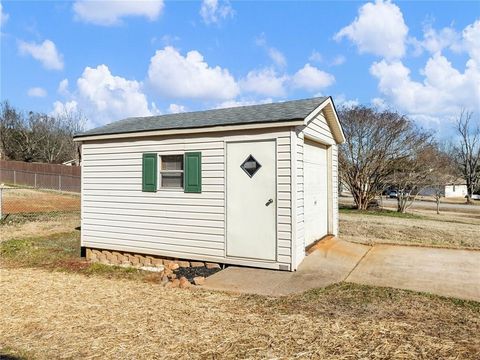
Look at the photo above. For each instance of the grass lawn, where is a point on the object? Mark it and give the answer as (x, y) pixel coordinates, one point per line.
(57, 315)
(20, 200)
(420, 227)
(55, 305)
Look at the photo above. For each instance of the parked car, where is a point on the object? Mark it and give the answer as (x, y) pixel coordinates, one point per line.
(476, 196)
(393, 194)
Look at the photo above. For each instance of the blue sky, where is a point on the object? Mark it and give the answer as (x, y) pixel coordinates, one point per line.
(114, 59)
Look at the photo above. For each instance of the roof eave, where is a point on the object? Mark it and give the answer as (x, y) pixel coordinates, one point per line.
(328, 107)
(194, 130)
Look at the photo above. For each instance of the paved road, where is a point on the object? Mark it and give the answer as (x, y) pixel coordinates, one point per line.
(425, 205)
(428, 205)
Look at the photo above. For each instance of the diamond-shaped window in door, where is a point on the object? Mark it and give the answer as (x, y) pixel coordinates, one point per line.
(250, 166)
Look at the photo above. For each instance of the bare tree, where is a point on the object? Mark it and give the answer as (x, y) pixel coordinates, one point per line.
(18, 134)
(426, 168)
(57, 136)
(377, 144)
(38, 137)
(467, 151)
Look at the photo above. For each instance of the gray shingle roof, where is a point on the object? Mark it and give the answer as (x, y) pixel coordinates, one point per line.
(265, 113)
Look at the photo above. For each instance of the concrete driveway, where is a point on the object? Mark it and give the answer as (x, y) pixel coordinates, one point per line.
(446, 272)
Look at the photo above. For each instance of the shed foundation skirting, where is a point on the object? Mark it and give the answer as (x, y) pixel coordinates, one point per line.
(120, 258)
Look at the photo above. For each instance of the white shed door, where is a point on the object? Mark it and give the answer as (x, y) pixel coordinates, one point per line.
(316, 191)
(251, 200)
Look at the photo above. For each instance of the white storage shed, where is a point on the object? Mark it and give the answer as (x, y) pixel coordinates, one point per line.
(251, 185)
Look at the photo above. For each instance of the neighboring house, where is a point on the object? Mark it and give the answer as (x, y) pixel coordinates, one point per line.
(343, 188)
(73, 162)
(251, 185)
(456, 190)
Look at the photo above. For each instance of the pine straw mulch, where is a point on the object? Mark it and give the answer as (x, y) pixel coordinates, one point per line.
(49, 315)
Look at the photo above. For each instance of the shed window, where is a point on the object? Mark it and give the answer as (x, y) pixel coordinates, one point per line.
(171, 171)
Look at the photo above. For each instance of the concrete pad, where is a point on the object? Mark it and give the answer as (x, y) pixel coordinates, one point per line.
(330, 262)
(446, 272)
(246, 280)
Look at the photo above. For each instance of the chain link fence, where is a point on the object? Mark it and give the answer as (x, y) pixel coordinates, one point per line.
(29, 201)
(38, 180)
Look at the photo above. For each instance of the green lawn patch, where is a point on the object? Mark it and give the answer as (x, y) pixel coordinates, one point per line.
(61, 252)
(382, 212)
(22, 218)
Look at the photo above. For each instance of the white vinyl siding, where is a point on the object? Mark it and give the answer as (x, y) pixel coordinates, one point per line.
(117, 215)
(300, 223)
(317, 130)
(335, 189)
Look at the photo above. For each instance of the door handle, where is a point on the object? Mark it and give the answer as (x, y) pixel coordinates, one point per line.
(269, 202)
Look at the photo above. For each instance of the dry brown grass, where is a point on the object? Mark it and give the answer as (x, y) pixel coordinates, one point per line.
(449, 229)
(49, 315)
(17, 228)
(21, 200)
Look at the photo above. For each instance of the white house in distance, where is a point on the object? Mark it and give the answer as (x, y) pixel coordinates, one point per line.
(251, 185)
(456, 189)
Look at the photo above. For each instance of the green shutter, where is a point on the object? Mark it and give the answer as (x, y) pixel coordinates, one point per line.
(193, 172)
(149, 172)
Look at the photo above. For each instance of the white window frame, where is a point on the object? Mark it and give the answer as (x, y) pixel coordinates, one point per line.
(160, 172)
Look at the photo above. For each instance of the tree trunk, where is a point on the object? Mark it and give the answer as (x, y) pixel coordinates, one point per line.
(361, 200)
(438, 206)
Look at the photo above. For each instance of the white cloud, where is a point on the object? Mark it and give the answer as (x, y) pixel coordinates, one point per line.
(315, 57)
(471, 40)
(212, 11)
(378, 29)
(342, 101)
(274, 54)
(277, 57)
(443, 91)
(3, 16)
(111, 12)
(60, 108)
(338, 60)
(379, 103)
(176, 108)
(435, 41)
(312, 79)
(176, 76)
(45, 52)
(63, 87)
(242, 102)
(264, 82)
(37, 92)
(103, 97)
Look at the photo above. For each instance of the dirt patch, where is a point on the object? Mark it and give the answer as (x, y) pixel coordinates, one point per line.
(454, 230)
(57, 315)
(21, 200)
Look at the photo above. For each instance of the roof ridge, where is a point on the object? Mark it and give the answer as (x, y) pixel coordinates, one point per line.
(235, 115)
(226, 108)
